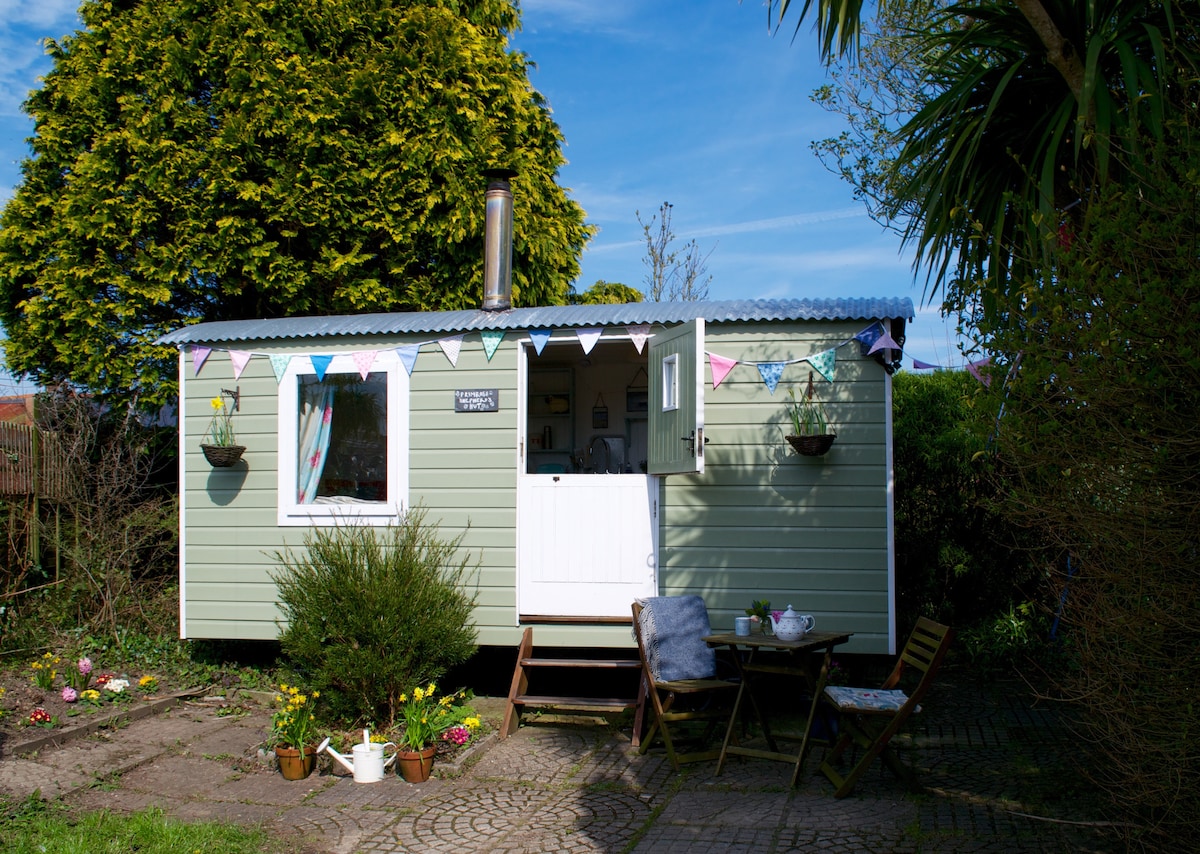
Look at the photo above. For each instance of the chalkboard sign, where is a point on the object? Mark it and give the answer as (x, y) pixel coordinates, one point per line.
(476, 400)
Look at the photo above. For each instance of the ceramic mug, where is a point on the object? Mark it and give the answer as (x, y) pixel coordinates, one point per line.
(741, 627)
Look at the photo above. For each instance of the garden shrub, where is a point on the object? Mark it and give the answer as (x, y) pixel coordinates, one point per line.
(372, 612)
(958, 559)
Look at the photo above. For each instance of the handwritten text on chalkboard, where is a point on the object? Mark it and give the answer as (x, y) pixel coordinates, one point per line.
(476, 399)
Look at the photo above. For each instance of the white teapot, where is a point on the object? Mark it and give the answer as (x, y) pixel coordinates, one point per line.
(791, 626)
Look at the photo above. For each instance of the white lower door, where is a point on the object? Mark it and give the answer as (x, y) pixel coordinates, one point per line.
(587, 544)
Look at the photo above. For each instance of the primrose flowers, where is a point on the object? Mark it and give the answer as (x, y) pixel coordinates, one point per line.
(148, 683)
(116, 686)
(40, 717)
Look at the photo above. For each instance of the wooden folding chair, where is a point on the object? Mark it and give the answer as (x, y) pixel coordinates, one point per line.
(868, 718)
(679, 669)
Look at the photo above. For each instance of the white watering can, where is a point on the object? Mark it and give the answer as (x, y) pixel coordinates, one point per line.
(367, 765)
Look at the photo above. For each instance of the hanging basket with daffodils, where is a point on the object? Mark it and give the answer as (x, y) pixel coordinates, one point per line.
(222, 449)
(293, 725)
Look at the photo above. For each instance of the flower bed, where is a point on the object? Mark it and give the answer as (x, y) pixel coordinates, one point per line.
(53, 692)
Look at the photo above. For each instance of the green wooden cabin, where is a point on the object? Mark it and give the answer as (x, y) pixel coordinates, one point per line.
(586, 451)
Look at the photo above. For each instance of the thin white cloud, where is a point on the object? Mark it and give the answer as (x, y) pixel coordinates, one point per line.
(42, 15)
(573, 14)
(756, 226)
(777, 222)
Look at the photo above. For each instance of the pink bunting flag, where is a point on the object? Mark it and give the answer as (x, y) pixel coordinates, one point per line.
(640, 334)
(974, 367)
(200, 354)
(452, 346)
(239, 358)
(363, 361)
(918, 365)
(721, 366)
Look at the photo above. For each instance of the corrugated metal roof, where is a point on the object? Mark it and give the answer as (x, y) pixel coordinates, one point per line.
(540, 317)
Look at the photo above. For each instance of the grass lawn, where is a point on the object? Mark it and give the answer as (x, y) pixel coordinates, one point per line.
(32, 827)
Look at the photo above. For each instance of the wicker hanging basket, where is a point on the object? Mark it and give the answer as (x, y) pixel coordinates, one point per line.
(222, 456)
(812, 446)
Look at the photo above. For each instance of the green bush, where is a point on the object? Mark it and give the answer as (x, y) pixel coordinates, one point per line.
(373, 612)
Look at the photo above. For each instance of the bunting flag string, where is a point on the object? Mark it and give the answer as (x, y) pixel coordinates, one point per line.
(872, 339)
(972, 368)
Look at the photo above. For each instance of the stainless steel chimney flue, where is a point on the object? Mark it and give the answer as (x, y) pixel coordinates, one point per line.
(497, 252)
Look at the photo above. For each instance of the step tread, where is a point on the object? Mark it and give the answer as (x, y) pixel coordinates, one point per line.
(612, 663)
(575, 702)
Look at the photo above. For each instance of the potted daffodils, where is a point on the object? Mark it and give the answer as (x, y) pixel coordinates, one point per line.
(429, 719)
(292, 732)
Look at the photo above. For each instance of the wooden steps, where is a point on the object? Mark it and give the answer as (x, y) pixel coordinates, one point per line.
(520, 699)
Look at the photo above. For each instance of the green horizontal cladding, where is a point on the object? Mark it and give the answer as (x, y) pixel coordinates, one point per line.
(462, 469)
(765, 523)
(760, 522)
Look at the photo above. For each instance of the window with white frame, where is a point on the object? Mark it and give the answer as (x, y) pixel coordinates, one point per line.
(670, 383)
(343, 441)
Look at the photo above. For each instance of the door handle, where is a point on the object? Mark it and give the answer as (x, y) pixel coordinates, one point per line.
(691, 440)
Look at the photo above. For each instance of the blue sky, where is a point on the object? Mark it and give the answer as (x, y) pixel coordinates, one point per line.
(687, 101)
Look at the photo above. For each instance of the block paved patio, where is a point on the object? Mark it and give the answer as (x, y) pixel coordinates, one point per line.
(997, 766)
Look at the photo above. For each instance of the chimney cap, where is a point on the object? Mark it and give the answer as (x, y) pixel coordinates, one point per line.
(499, 173)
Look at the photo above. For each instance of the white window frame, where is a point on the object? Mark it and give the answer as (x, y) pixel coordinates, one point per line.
(291, 512)
(670, 385)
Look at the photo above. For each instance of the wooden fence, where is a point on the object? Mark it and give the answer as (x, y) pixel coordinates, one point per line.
(32, 462)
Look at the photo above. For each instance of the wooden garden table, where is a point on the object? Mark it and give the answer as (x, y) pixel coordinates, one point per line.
(798, 665)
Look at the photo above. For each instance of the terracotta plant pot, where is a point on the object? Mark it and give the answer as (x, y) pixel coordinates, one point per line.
(291, 766)
(415, 765)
